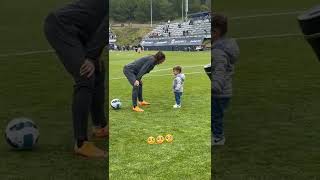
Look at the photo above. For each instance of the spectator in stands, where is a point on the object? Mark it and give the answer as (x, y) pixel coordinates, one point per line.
(139, 48)
(167, 29)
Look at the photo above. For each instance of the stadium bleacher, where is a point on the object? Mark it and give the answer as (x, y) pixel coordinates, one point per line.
(199, 26)
(181, 35)
(112, 36)
(186, 35)
(112, 39)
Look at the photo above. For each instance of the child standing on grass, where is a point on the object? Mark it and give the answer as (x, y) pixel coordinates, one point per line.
(225, 53)
(178, 83)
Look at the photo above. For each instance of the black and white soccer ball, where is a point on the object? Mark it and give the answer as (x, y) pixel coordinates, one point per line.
(22, 133)
(116, 104)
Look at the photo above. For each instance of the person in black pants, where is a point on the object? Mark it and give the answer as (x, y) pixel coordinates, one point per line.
(78, 33)
(134, 72)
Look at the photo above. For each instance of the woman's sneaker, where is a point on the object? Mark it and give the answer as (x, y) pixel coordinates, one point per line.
(88, 149)
(100, 132)
(137, 109)
(176, 106)
(218, 141)
(143, 103)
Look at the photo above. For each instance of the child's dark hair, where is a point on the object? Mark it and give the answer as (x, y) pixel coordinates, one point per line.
(177, 68)
(159, 57)
(220, 22)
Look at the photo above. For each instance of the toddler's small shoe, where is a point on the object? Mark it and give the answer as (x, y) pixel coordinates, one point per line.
(176, 106)
(218, 141)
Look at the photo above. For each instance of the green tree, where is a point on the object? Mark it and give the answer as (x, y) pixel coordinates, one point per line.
(163, 10)
(142, 13)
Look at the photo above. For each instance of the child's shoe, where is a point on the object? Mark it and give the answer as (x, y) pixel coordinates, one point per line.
(89, 150)
(137, 109)
(218, 141)
(176, 106)
(143, 103)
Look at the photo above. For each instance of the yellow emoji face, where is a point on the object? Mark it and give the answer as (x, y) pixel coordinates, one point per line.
(169, 138)
(151, 140)
(160, 139)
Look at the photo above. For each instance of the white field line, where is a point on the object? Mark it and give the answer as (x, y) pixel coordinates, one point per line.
(126, 60)
(190, 99)
(119, 78)
(270, 36)
(27, 53)
(237, 38)
(166, 69)
(232, 18)
(266, 15)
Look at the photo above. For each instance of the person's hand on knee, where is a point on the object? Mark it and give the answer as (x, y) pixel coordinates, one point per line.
(136, 83)
(87, 68)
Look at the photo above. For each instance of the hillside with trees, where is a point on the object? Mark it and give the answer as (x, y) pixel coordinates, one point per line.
(163, 10)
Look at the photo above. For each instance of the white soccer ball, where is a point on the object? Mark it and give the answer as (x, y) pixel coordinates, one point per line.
(116, 104)
(22, 133)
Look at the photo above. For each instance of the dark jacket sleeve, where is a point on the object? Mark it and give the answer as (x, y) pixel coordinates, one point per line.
(98, 42)
(146, 68)
(218, 70)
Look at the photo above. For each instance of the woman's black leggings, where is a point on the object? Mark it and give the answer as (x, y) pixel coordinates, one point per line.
(89, 93)
(136, 90)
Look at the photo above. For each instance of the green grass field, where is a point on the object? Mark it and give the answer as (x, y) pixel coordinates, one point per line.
(37, 86)
(188, 157)
(272, 126)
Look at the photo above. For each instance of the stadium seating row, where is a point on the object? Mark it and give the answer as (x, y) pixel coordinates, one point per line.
(191, 28)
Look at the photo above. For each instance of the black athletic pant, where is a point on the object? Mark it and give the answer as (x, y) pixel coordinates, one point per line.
(136, 90)
(89, 93)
